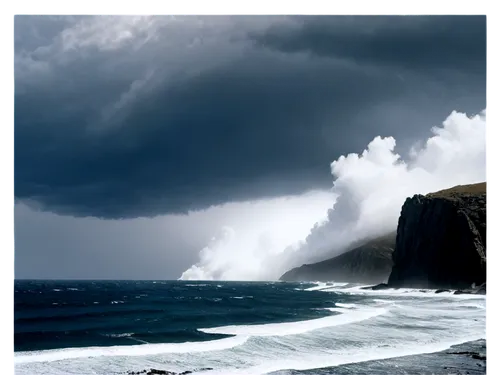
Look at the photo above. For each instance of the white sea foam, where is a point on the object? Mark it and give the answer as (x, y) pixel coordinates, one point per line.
(119, 334)
(128, 351)
(405, 326)
(343, 357)
(346, 305)
(322, 286)
(475, 305)
(383, 300)
(404, 292)
(303, 326)
(196, 285)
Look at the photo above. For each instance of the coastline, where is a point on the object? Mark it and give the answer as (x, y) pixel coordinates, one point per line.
(466, 358)
(414, 323)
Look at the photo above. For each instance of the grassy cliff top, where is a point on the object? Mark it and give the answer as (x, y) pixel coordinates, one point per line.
(473, 189)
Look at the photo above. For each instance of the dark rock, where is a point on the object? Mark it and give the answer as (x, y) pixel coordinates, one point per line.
(463, 353)
(159, 372)
(369, 263)
(476, 290)
(442, 290)
(479, 356)
(441, 240)
(474, 355)
(381, 286)
(165, 372)
(481, 289)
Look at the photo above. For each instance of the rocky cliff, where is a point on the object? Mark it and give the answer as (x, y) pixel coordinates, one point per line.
(368, 263)
(441, 239)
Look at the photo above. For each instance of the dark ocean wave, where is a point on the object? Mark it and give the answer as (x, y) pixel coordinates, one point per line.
(60, 314)
(39, 340)
(62, 317)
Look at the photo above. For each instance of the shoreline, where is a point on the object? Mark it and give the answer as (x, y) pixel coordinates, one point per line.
(468, 358)
(405, 351)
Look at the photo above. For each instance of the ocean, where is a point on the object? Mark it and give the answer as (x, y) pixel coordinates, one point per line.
(117, 327)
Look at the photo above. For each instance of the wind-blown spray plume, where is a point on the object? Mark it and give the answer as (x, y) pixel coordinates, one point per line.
(242, 251)
(370, 190)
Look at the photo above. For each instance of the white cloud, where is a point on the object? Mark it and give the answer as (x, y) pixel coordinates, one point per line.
(371, 188)
(492, 143)
(252, 249)
(109, 32)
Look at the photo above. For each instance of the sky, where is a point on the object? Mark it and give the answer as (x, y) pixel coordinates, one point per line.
(155, 147)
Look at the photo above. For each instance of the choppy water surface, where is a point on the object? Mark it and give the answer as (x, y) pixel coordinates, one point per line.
(111, 327)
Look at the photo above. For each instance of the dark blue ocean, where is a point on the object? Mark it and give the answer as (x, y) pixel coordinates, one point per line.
(112, 327)
(60, 314)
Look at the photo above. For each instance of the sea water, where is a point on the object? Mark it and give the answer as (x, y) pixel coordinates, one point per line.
(114, 327)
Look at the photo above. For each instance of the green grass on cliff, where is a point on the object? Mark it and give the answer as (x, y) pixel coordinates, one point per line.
(473, 189)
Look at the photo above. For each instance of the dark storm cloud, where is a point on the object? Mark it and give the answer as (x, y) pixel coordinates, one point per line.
(126, 118)
(446, 42)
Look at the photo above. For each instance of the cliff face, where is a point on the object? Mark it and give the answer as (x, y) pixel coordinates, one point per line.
(369, 263)
(441, 240)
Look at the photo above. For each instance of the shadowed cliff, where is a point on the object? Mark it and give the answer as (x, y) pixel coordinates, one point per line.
(440, 243)
(368, 263)
(441, 239)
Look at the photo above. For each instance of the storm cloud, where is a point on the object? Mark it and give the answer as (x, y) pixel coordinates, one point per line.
(124, 117)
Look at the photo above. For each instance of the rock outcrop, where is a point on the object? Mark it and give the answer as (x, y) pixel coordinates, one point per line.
(369, 263)
(441, 240)
(165, 372)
